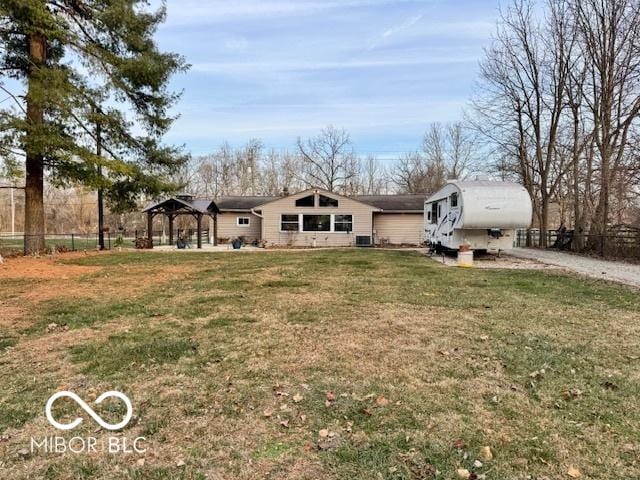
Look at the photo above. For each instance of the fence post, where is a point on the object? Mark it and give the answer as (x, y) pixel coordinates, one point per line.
(109, 239)
(73, 243)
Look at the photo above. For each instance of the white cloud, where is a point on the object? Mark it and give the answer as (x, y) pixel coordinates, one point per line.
(236, 44)
(201, 12)
(409, 22)
(231, 68)
(298, 119)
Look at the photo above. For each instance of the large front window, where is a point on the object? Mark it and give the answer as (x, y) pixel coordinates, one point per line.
(299, 222)
(316, 223)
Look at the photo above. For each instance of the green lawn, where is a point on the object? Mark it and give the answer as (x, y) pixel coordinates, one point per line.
(345, 364)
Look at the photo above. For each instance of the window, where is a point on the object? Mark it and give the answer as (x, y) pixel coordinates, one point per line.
(324, 201)
(289, 223)
(343, 223)
(434, 213)
(243, 221)
(454, 199)
(316, 223)
(429, 216)
(309, 201)
(439, 210)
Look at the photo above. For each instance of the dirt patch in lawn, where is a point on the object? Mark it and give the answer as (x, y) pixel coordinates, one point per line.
(44, 268)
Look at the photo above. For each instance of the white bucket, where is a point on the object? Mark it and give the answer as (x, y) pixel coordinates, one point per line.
(465, 259)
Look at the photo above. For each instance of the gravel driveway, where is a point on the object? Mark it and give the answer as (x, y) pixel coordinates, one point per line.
(592, 267)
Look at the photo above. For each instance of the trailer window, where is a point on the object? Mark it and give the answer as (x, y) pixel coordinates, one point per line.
(454, 199)
(434, 213)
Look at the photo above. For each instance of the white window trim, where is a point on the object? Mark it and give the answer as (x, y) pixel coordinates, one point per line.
(332, 227)
(243, 225)
(299, 223)
(333, 222)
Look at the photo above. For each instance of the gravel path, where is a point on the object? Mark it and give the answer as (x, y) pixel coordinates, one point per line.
(592, 267)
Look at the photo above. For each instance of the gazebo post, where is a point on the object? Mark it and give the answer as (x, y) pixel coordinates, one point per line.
(199, 218)
(171, 217)
(150, 228)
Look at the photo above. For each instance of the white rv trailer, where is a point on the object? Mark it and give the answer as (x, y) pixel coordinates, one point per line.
(483, 214)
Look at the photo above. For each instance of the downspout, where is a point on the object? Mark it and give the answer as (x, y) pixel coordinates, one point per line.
(261, 217)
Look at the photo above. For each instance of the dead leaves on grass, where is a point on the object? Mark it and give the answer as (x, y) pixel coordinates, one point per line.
(486, 454)
(330, 399)
(574, 472)
(289, 416)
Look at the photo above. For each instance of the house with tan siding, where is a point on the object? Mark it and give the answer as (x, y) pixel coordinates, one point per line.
(318, 218)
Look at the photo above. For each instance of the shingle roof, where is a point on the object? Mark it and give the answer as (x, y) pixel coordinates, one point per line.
(243, 203)
(394, 203)
(389, 203)
(201, 205)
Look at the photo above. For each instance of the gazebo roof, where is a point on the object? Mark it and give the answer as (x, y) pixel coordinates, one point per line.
(182, 205)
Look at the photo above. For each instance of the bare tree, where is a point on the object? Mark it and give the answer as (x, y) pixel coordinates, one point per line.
(280, 173)
(610, 40)
(460, 152)
(328, 160)
(373, 178)
(415, 173)
(525, 73)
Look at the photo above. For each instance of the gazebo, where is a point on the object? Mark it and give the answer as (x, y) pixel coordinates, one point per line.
(182, 204)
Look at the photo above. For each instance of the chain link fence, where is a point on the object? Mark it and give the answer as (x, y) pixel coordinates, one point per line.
(13, 244)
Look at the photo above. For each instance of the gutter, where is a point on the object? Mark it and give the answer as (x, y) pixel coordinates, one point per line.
(402, 211)
(257, 214)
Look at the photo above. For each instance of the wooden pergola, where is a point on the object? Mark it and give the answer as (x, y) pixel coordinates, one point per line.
(183, 204)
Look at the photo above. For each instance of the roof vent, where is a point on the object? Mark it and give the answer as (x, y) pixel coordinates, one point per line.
(184, 196)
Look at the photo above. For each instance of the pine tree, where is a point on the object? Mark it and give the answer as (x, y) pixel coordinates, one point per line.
(72, 65)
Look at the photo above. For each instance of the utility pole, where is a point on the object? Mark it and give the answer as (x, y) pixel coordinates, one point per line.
(100, 200)
(13, 214)
(12, 189)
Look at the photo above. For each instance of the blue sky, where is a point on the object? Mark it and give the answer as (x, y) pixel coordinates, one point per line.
(279, 69)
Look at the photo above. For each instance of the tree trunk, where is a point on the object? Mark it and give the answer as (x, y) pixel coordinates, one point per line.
(544, 219)
(597, 239)
(34, 182)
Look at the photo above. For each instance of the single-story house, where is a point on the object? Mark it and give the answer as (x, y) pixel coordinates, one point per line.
(311, 218)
